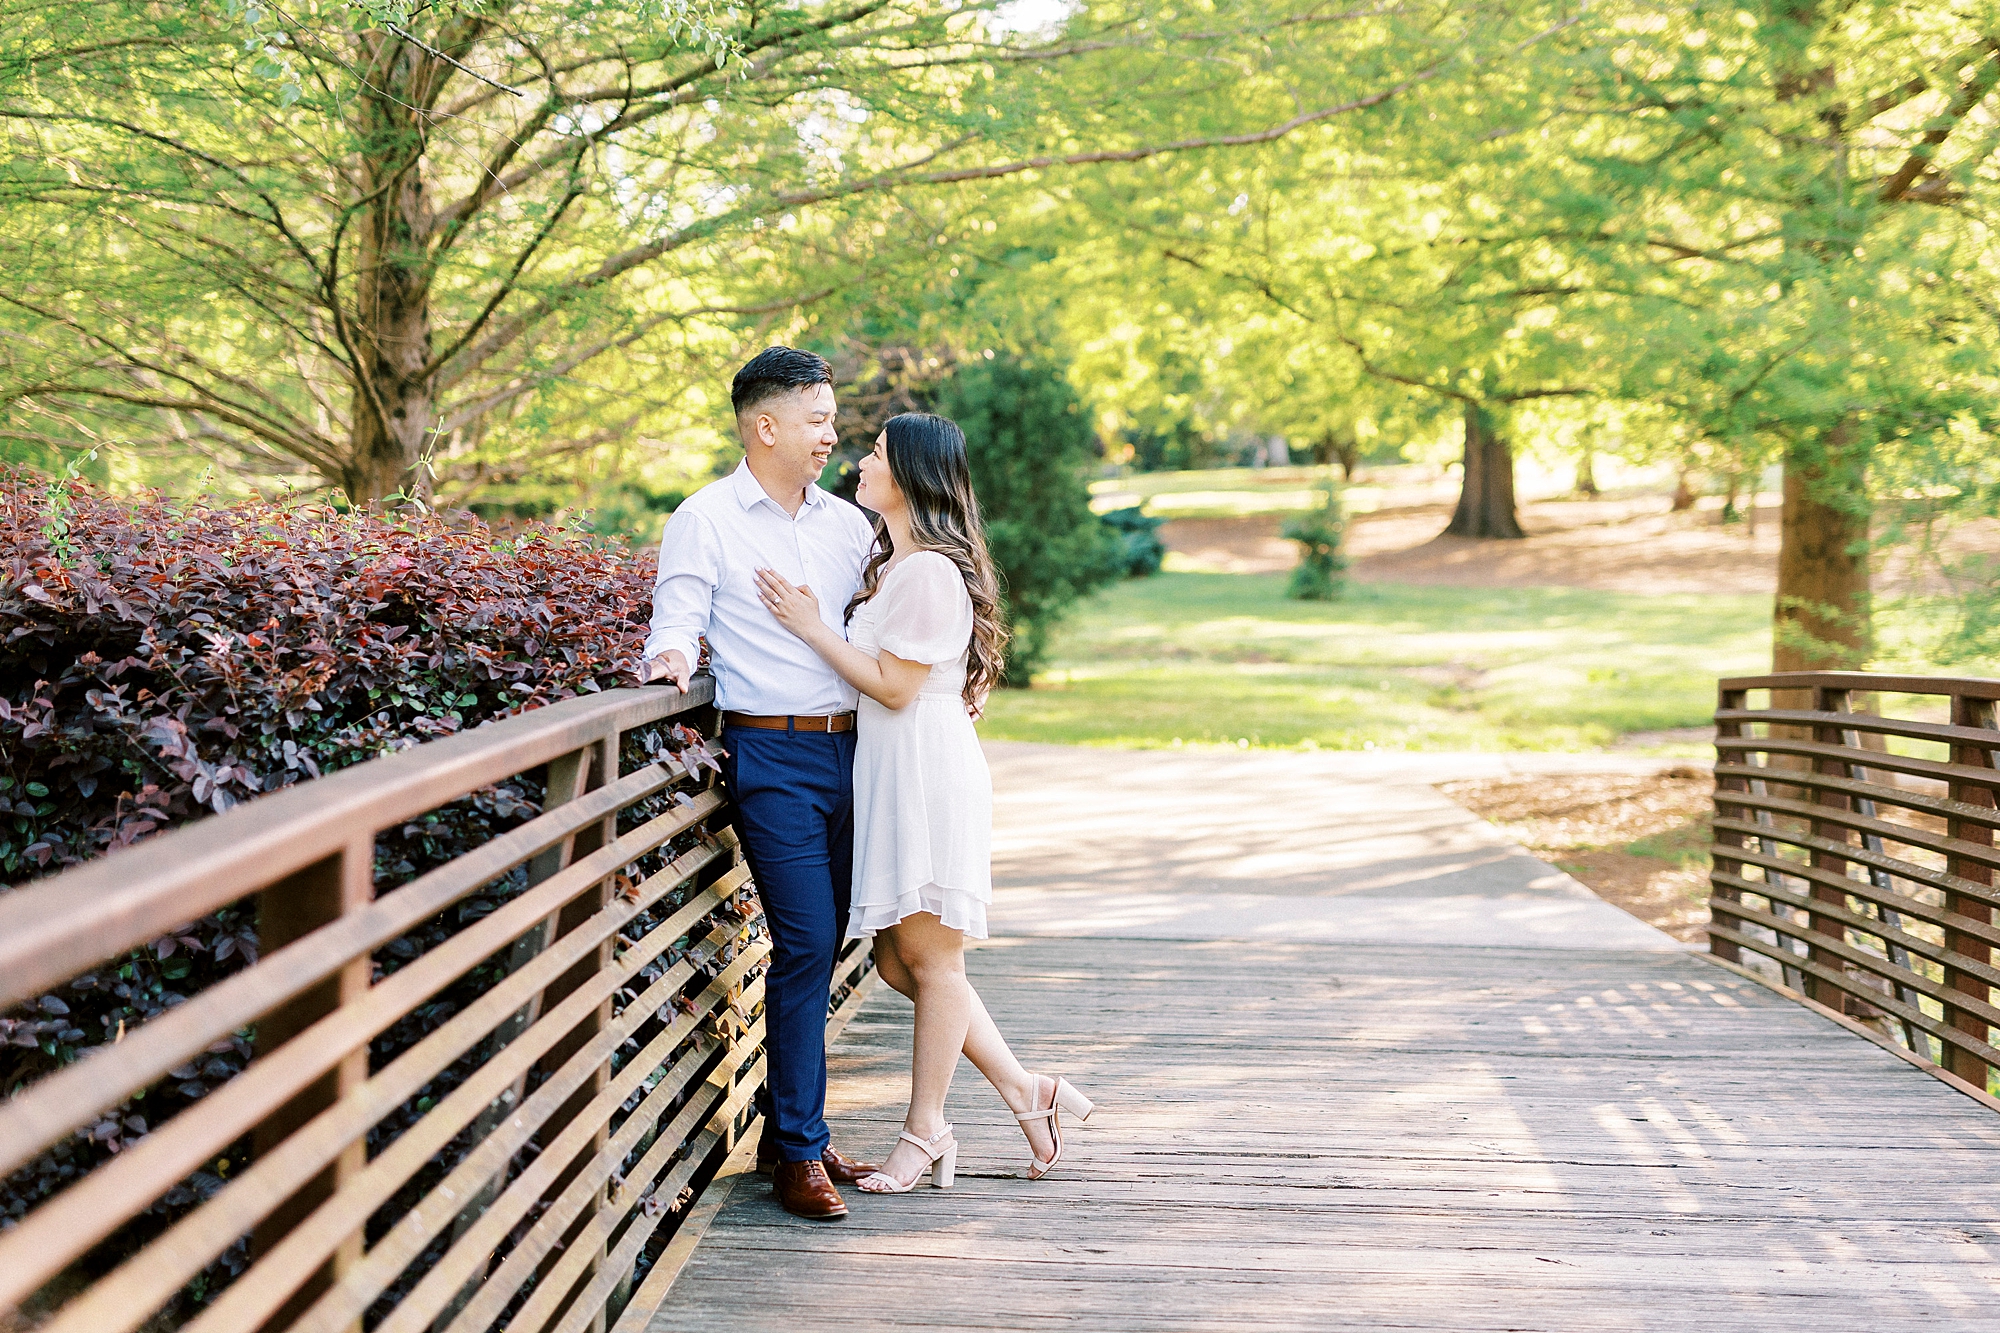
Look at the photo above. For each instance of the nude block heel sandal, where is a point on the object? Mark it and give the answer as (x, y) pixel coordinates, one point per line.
(1066, 1098)
(943, 1152)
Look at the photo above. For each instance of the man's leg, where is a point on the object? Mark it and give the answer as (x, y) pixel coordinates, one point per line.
(785, 786)
(840, 835)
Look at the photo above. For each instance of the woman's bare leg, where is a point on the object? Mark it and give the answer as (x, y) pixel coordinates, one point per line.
(931, 958)
(984, 1046)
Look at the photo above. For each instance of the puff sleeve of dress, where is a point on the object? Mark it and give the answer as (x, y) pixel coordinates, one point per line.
(925, 613)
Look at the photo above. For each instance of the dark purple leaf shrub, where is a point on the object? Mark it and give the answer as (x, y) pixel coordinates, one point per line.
(161, 660)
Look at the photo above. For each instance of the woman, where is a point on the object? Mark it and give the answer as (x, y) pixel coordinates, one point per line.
(924, 648)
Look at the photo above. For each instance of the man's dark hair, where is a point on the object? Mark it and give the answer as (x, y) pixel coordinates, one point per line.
(773, 371)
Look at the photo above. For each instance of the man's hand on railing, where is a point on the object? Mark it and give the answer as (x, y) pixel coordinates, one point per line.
(671, 665)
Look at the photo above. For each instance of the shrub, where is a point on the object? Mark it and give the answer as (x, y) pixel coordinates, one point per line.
(1140, 550)
(1319, 533)
(1029, 443)
(160, 661)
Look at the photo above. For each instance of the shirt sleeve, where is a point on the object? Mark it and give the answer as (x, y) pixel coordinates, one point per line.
(683, 592)
(926, 614)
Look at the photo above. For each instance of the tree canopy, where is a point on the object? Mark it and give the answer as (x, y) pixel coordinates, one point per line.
(404, 243)
(399, 246)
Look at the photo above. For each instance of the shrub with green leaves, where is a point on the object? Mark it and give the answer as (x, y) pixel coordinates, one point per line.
(1319, 532)
(1140, 550)
(1028, 439)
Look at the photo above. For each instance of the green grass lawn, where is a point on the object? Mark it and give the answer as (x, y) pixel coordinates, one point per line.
(1225, 658)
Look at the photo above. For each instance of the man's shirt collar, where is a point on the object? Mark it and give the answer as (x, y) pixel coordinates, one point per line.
(749, 490)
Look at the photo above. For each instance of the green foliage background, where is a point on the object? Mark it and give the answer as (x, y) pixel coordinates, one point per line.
(1029, 440)
(510, 256)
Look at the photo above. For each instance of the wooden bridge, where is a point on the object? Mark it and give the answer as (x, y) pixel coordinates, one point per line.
(1360, 1063)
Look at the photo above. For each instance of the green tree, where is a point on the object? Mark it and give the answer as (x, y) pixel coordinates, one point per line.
(1800, 198)
(388, 242)
(1029, 440)
(1773, 223)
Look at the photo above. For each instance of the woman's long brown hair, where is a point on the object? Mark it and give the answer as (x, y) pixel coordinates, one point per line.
(927, 459)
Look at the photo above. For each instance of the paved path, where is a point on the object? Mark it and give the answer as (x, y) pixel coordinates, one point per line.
(1311, 1127)
(1192, 844)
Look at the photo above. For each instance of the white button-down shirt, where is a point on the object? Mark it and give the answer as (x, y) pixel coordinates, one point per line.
(709, 557)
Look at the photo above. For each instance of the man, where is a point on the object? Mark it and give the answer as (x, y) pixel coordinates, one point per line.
(788, 725)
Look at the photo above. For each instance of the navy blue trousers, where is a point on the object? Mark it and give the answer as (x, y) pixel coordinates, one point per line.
(794, 794)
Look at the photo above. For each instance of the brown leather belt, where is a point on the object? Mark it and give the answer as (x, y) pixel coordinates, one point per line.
(837, 722)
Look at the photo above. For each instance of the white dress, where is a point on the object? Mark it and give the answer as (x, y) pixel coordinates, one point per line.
(923, 800)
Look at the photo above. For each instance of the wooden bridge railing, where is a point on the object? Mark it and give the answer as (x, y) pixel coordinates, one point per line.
(1854, 852)
(511, 1167)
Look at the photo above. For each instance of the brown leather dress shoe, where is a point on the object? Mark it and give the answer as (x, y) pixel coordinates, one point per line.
(804, 1191)
(842, 1168)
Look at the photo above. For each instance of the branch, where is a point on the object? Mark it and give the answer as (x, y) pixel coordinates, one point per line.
(1922, 83)
(616, 265)
(200, 407)
(1527, 394)
(677, 86)
(1269, 292)
(506, 287)
(414, 40)
(1970, 94)
(524, 383)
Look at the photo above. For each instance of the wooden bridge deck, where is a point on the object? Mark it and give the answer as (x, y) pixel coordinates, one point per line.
(1389, 1136)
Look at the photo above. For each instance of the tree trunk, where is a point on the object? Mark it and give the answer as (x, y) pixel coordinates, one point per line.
(1822, 611)
(394, 405)
(1486, 495)
(1586, 473)
(1348, 451)
(1684, 496)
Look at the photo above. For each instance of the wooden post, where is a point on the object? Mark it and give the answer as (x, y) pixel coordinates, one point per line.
(294, 907)
(1967, 712)
(1719, 895)
(600, 768)
(1826, 700)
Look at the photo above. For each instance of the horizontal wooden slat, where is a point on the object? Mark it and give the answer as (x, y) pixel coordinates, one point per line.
(56, 928)
(1873, 723)
(1887, 1004)
(74, 1096)
(94, 1206)
(1978, 853)
(1864, 924)
(247, 1304)
(419, 1308)
(448, 1275)
(1935, 914)
(852, 1004)
(618, 1263)
(122, 1300)
(1869, 962)
(1867, 682)
(1963, 774)
(1909, 870)
(1943, 807)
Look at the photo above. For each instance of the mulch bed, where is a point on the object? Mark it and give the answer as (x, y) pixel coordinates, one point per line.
(1640, 843)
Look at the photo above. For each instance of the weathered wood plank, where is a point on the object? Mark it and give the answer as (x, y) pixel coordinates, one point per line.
(1297, 1136)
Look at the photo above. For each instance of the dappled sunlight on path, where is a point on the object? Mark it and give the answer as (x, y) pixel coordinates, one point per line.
(1303, 1126)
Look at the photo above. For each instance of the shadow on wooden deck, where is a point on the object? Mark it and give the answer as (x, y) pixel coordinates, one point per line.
(1332, 1134)
(1377, 1137)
